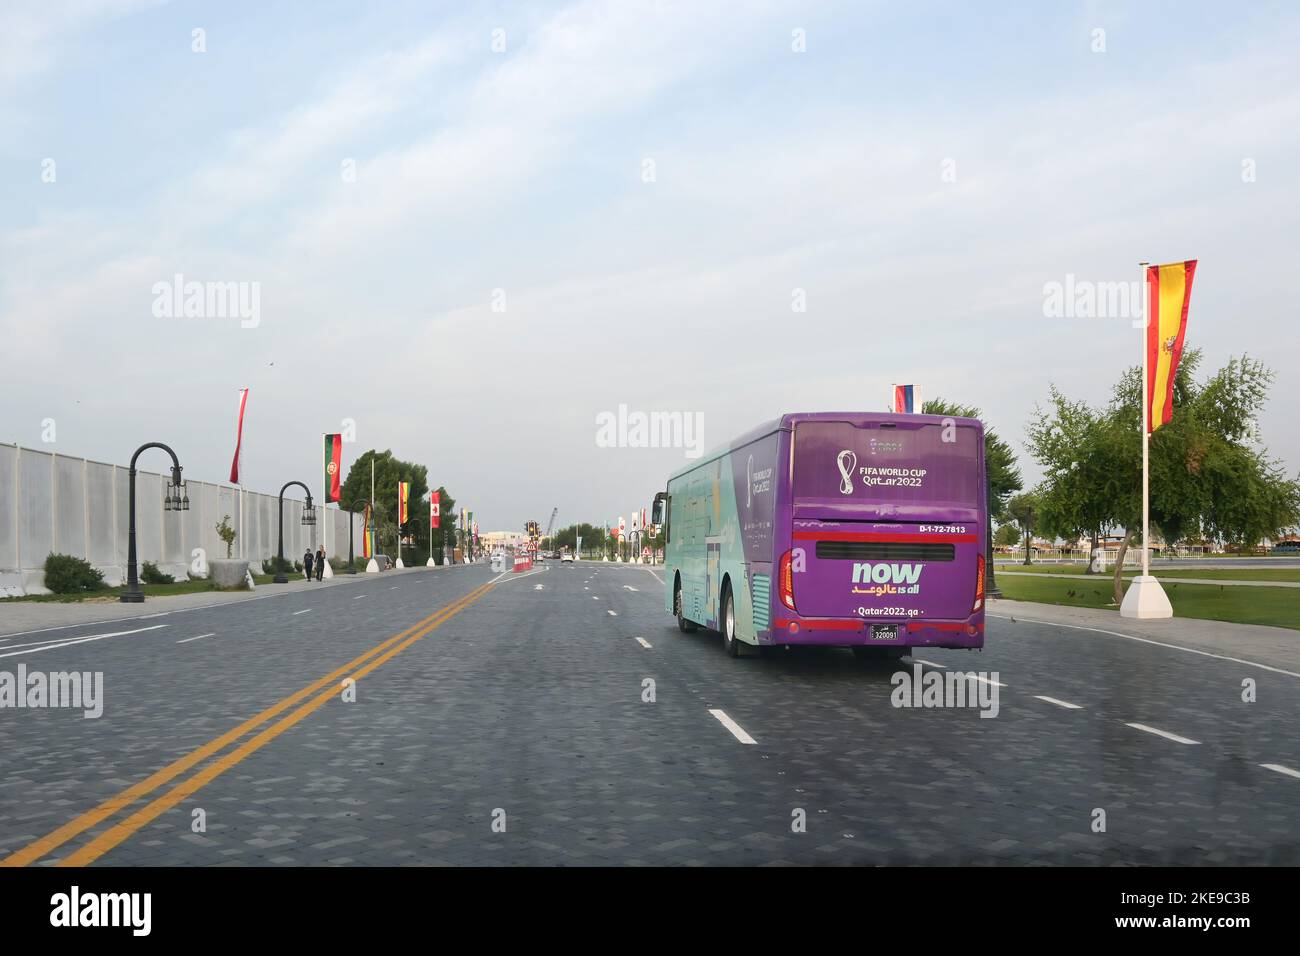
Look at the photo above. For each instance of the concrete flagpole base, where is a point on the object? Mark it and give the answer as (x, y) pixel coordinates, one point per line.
(429, 563)
(372, 567)
(399, 564)
(1145, 598)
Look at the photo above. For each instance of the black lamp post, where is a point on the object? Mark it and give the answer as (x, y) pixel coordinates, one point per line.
(352, 567)
(308, 518)
(175, 498)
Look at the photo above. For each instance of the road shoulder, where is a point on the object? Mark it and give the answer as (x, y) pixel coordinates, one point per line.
(1277, 647)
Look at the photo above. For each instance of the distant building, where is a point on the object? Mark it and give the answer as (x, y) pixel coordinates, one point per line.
(493, 540)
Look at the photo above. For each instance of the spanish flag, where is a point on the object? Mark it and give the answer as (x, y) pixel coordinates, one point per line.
(1169, 293)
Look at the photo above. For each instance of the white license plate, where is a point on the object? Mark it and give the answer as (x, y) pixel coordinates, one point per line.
(884, 632)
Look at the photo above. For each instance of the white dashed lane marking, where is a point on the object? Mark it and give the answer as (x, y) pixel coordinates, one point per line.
(643, 642)
(199, 638)
(1059, 703)
(48, 645)
(737, 731)
(1163, 733)
(1281, 769)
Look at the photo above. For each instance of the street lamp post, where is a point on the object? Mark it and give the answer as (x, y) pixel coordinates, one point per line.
(352, 567)
(308, 518)
(178, 500)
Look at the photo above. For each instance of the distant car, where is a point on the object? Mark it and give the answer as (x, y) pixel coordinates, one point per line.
(566, 556)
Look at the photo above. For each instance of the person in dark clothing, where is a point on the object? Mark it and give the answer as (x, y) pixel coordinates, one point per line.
(306, 563)
(320, 562)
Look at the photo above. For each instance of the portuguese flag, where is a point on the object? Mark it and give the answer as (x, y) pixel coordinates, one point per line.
(333, 467)
(1169, 293)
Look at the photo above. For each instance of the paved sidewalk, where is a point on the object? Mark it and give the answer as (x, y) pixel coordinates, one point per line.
(21, 616)
(1277, 647)
(1162, 577)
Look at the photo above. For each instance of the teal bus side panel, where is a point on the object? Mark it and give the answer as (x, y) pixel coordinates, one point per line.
(706, 549)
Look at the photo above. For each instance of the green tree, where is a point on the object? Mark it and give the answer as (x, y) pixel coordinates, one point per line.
(1004, 477)
(1076, 447)
(388, 471)
(1205, 477)
(1023, 510)
(1007, 535)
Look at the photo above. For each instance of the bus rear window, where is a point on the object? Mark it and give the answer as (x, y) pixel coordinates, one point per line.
(909, 464)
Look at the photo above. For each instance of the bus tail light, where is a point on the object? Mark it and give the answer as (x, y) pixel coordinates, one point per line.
(785, 580)
(979, 586)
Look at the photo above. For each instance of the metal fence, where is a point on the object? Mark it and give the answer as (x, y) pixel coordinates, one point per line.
(52, 503)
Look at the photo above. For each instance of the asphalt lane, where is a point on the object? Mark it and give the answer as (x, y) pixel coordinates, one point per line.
(166, 695)
(562, 719)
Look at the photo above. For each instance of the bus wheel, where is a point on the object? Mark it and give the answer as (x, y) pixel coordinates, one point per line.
(729, 642)
(683, 625)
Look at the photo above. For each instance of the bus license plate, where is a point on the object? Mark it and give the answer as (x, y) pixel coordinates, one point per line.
(884, 632)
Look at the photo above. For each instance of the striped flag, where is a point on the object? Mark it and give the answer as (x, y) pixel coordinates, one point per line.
(1169, 293)
(907, 399)
(239, 437)
(367, 549)
(403, 501)
(333, 467)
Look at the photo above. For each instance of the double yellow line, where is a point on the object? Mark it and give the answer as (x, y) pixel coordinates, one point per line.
(324, 690)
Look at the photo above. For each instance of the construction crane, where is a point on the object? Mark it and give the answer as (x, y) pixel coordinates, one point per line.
(551, 524)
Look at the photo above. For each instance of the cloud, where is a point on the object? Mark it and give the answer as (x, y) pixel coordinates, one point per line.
(32, 32)
(676, 294)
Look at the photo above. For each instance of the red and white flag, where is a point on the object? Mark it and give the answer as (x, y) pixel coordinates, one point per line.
(239, 437)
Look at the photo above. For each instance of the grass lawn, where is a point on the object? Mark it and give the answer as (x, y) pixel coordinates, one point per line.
(111, 595)
(1279, 607)
(1221, 574)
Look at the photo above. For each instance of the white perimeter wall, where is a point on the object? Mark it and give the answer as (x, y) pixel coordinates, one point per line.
(55, 503)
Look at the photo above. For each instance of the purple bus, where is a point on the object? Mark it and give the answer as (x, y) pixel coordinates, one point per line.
(858, 529)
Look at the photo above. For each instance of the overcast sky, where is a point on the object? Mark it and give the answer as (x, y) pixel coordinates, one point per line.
(477, 226)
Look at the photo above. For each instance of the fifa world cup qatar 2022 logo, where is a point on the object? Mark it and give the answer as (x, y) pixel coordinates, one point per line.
(847, 461)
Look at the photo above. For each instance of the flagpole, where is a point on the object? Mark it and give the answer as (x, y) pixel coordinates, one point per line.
(371, 537)
(1145, 598)
(1146, 429)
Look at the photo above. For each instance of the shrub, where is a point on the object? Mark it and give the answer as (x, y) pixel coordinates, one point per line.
(227, 534)
(149, 574)
(66, 574)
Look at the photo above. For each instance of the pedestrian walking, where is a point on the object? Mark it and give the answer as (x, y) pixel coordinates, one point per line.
(306, 563)
(320, 562)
